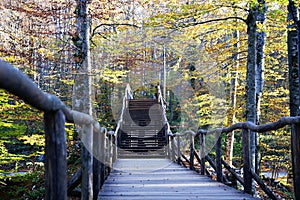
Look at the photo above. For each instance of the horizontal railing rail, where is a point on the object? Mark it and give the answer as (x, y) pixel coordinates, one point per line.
(249, 173)
(128, 95)
(167, 127)
(162, 103)
(55, 114)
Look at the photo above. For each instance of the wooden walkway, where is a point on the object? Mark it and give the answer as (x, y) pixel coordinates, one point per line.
(162, 179)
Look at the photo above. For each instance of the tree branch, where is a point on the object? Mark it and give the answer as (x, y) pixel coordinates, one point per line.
(122, 24)
(214, 20)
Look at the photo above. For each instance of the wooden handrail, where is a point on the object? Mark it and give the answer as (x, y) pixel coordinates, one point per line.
(249, 174)
(128, 95)
(55, 112)
(164, 110)
(253, 127)
(17, 83)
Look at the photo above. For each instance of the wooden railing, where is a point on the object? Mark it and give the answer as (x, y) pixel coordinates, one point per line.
(128, 95)
(55, 115)
(167, 127)
(249, 176)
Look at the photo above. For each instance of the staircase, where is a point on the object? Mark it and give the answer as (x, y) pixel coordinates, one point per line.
(142, 133)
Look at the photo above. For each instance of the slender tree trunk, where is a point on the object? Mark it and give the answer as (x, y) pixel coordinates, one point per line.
(250, 79)
(293, 59)
(293, 62)
(83, 93)
(233, 91)
(261, 40)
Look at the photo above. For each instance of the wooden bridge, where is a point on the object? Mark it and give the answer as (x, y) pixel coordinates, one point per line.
(162, 179)
(141, 158)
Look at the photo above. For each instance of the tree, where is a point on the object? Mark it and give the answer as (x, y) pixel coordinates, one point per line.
(233, 99)
(293, 58)
(259, 76)
(82, 97)
(293, 17)
(251, 71)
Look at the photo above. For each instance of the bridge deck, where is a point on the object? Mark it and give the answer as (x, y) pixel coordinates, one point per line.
(162, 179)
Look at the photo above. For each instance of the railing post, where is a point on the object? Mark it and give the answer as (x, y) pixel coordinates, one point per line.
(168, 146)
(295, 139)
(87, 162)
(218, 158)
(202, 152)
(56, 155)
(115, 150)
(192, 148)
(96, 177)
(96, 164)
(102, 157)
(173, 148)
(247, 162)
(106, 151)
(111, 152)
(178, 150)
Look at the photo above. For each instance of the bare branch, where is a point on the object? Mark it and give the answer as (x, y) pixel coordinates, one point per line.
(214, 20)
(113, 25)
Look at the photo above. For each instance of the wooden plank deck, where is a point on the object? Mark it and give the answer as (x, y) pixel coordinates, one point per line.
(162, 179)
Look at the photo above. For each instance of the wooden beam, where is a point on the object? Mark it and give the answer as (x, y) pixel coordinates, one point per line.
(192, 149)
(202, 153)
(96, 164)
(96, 178)
(283, 121)
(173, 148)
(19, 84)
(199, 161)
(102, 157)
(262, 185)
(115, 150)
(74, 182)
(185, 158)
(178, 151)
(295, 140)
(236, 176)
(211, 162)
(56, 155)
(87, 162)
(218, 158)
(247, 161)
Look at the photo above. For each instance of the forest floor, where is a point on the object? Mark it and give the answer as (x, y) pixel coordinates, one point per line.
(25, 179)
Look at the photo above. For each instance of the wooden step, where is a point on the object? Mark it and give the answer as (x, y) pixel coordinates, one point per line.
(138, 139)
(143, 142)
(142, 104)
(142, 101)
(149, 154)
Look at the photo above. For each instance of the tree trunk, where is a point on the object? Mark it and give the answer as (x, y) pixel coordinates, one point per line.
(250, 79)
(261, 40)
(293, 62)
(233, 91)
(82, 100)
